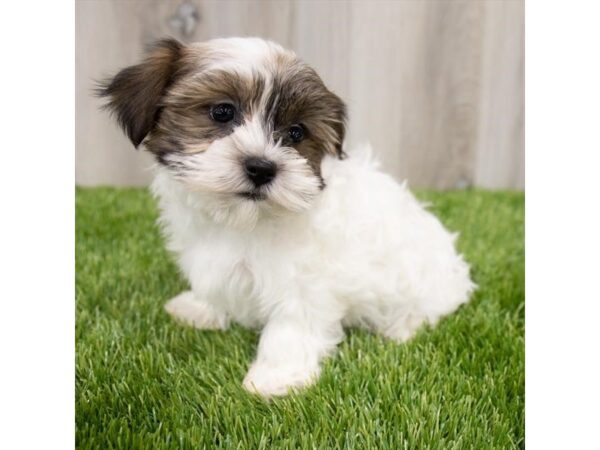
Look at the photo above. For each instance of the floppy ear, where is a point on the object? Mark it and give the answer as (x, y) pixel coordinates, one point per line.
(135, 92)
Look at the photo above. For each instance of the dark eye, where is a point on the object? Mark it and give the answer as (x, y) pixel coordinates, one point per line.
(223, 112)
(296, 133)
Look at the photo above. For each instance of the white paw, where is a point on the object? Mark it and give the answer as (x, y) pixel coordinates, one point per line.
(190, 311)
(268, 381)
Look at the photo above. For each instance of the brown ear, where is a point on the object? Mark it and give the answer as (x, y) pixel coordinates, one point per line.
(135, 92)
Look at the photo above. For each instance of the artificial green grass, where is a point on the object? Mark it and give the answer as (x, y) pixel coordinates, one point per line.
(145, 382)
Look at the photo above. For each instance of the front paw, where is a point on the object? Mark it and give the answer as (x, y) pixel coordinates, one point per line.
(274, 380)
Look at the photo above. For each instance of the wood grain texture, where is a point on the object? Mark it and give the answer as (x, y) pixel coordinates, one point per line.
(435, 86)
(500, 155)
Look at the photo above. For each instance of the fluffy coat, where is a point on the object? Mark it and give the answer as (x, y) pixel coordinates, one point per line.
(365, 254)
(271, 225)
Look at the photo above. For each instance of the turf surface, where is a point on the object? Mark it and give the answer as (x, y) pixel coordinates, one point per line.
(142, 381)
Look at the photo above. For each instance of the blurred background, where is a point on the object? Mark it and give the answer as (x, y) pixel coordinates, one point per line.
(436, 86)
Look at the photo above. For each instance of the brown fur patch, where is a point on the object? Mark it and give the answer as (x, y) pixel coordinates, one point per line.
(299, 96)
(185, 117)
(135, 92)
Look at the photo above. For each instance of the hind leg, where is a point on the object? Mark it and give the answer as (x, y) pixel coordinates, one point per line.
(187, 309)
(404, 327)
(398, 323)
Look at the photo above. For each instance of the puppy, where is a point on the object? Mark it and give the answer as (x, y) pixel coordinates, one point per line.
(271, 225)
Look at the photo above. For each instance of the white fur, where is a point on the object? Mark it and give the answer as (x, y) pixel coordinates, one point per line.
(243, 55)
(197, 314)
(216, 173)
(305, 262)
(302, 262)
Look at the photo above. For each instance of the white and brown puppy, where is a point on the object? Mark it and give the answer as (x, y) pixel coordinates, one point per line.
(271, 226)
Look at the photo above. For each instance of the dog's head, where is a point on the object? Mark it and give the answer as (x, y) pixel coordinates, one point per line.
(242, 121)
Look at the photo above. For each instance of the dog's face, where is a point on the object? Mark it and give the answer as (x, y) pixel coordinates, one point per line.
(241, 121)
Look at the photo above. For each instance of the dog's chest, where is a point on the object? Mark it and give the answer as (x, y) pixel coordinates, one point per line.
(239, 294)
(244, 278)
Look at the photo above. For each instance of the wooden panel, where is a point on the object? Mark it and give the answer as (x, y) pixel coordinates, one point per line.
(501, 148)
(414, 87)
(436, 86)
(322, 37)
(109, 36)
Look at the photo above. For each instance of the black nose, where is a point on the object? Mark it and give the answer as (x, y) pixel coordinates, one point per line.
(260, 170)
